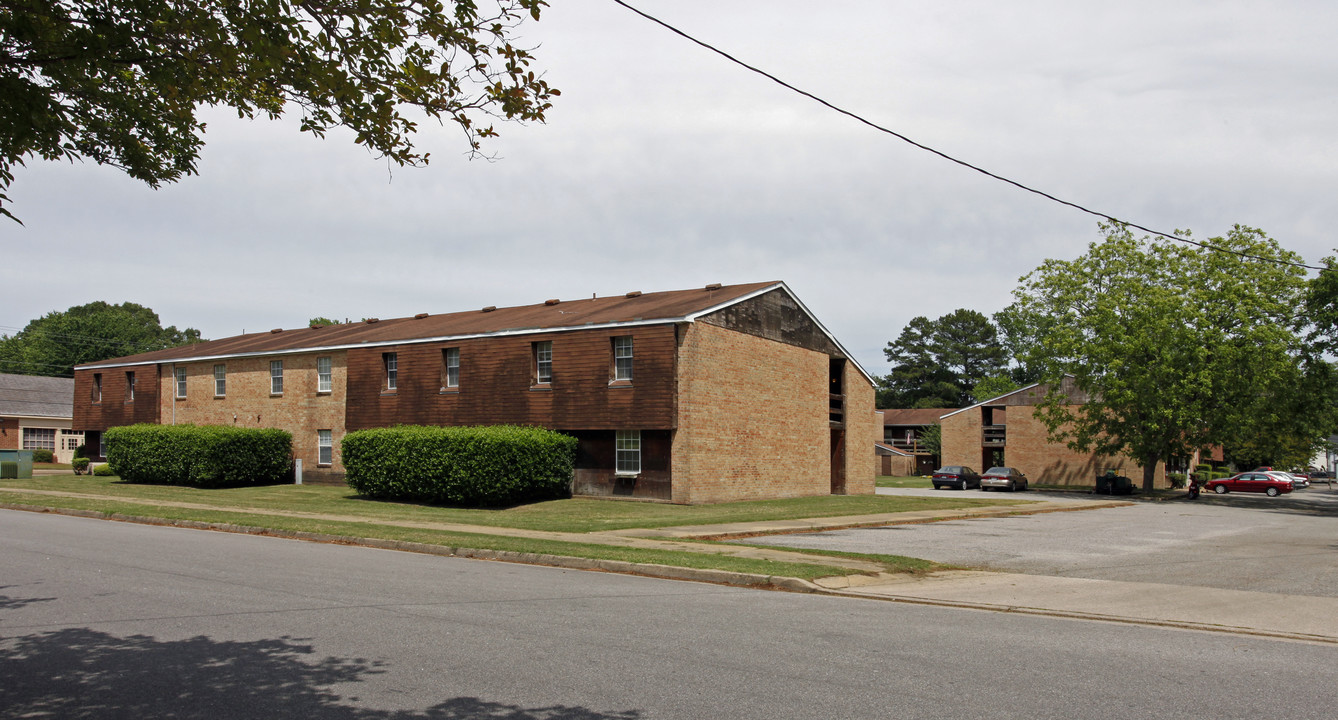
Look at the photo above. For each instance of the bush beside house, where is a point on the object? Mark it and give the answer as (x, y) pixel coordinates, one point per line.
(199, 455)
(476, 466)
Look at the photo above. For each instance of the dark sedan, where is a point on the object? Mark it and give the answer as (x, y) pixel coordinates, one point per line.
(957, 476)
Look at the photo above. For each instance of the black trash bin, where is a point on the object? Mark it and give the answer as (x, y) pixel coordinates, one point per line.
(1112, 484)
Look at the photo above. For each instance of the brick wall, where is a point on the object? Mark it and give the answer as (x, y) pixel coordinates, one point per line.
(1029, 449)
(247, 401)
(752, 418)
(863, 429)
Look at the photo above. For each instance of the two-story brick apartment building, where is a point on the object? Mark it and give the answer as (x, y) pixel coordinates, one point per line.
(1005, 431)
(662, 389)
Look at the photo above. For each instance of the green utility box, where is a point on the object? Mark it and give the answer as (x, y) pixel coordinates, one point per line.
(16, 463)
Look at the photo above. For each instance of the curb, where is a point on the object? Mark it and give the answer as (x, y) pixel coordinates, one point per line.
(667, 572)
(1074, 615)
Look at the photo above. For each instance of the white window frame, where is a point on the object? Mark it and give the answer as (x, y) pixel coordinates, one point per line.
(179, 375)
(275, 377)
(45, 439)
(220, 380)
(102, 444)
(97, 387)
(622, 358)
(543, 362)
(392, 363)
(627, 452)
(324, 447)
(324, 377)
(130, 381)
(450, 358)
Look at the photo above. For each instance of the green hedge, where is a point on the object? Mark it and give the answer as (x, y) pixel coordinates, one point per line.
(473, 466)
(199, 455)
(43, 455)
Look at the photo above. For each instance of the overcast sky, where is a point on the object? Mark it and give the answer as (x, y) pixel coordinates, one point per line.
(662, 166)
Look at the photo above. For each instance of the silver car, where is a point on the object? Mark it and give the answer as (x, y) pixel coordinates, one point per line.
(1003, 477)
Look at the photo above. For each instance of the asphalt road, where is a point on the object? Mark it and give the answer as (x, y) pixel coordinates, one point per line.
(1239, 542)
(110, 620)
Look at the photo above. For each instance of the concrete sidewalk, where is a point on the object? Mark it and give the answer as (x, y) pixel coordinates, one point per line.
(1296, 617)
(1263, 614)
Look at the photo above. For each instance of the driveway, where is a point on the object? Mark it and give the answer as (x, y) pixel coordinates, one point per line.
(1237, 542)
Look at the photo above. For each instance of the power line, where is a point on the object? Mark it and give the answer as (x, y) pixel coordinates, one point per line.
(945, 156)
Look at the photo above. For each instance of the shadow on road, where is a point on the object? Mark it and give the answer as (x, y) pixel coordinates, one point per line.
(83, 673)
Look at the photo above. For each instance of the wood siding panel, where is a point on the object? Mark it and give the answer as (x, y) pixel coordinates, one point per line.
(496, 388)
(114, 410)
(775, 316)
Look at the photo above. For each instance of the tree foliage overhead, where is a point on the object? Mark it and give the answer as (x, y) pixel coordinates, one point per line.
(938, 363)
(119, 81)
(54, 343)
(1178, 347)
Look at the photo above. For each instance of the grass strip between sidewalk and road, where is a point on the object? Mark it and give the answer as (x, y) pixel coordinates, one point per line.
(282, 508)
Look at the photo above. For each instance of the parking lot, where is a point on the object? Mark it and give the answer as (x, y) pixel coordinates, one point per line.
(1240, 542)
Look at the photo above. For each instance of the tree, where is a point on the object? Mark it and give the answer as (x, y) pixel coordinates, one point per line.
(322, 322)
(938, 363)
(119, 81)
(54, 343)
(1177, 347)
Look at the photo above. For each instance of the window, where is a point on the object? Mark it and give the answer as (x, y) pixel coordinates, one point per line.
(622, 358)
(39, 439)
(180, 374)
(220, 380)
(97, 387)
(130, 387)
(392, 364)
(543, 362)
(324, 382)
(275, 377)
(627, 445)
(450, 368)
(324, 447)
(102, 445)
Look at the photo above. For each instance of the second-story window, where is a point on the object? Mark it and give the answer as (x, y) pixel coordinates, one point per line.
(180, 374)
(130, 387)
(97, 387)
(622, 358)
(543, 362)
(392, 365)
(450, 368)
(220, 380)
(324, 379)
(275, 377)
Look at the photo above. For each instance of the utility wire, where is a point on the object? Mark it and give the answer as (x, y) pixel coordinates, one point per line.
(950, 158)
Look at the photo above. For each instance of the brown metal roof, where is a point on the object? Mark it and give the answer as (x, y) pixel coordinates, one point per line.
(632, 308)
(914, 416)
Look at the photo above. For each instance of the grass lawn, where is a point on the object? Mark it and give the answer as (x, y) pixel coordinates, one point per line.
(576, 515)
(904, 482)
(362, 518)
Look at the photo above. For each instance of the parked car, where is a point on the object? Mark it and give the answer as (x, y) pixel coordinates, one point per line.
(1298, 480)
(1250, 482)
(1003, 477)
(958, 476)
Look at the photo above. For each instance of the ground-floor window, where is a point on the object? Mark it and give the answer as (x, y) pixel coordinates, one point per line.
(627, 458)
(325, 447)
(39, 439)
(71, 439)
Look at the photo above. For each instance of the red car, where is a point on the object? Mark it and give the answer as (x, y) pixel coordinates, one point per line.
(1250, 482)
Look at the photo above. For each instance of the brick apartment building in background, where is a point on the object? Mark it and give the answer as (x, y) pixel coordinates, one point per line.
(1004, 431)
(663, 390)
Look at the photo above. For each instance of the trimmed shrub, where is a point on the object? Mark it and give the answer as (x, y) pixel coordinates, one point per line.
(471, 466)
(103, 470)
(43, 455)
(81, 451)
(199, 455)
(79, 465)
